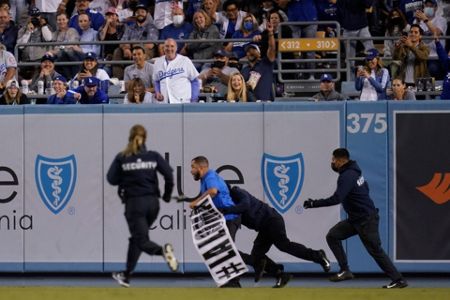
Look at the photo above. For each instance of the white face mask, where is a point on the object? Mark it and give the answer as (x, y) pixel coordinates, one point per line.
(178, 19)
(428, 11)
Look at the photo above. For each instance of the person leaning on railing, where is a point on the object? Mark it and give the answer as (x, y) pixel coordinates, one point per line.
(400, 91)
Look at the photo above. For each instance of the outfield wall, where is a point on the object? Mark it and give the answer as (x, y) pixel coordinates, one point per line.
(58, 213)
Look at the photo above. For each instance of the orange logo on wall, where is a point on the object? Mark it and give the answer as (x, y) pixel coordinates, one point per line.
(438, 189)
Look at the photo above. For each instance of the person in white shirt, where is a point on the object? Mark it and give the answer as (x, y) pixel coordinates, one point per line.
(372, 79)
(175, 77)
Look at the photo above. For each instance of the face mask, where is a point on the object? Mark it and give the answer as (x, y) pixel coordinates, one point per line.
(334, 168)
(428, 11)
(178, 19)
(251, 58)
(248, 26)
(234, 65)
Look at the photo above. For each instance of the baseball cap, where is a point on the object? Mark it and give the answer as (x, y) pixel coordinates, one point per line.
(48, 57)
(33, 11)
(371, 54)
(12, 83)
(111, 10)
(90, 81)
(326, 77)
(60, 78)
(90, 55)
(140, 6)
(221, 53)
(254, 46)
(434, 2)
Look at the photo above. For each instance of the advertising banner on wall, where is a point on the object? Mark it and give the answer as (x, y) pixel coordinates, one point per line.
(13, 220)
(64, 179)
(164, 135)
(367, 142)
(295, 166)
(421, 186)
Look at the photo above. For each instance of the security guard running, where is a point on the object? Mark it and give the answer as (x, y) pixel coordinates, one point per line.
(134, 170)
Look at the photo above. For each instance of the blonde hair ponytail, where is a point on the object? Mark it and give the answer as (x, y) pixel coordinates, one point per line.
(137, 138)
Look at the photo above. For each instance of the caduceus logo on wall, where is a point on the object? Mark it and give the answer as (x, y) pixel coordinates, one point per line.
(282, 179)
(55, 180)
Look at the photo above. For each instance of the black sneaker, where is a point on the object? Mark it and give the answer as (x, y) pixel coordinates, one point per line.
(341, 276)
(324, 262)
(396, 284)
(259, 268)
(121, 278)
(282, 280)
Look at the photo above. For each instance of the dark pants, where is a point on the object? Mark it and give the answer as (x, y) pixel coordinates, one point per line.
(140, 213)
(274, 233)
(368, 233)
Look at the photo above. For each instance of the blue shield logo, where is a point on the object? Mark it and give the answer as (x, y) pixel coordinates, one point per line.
(55, 180)
(282, 179)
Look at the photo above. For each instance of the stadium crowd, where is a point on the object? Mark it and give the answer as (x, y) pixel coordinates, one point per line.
(159, 67)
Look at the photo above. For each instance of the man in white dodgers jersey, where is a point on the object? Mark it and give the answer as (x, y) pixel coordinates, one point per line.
(175, 77)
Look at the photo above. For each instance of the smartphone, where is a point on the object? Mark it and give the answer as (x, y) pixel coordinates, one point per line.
(404, 33)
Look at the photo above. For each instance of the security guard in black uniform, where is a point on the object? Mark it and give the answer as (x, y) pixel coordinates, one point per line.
(271, 229)
(134, 170)
(353, 192)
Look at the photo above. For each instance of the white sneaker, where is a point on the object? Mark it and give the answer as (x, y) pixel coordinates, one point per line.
(170, 257)
(121, 279)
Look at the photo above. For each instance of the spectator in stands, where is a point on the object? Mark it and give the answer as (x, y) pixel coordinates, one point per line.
(210, 7)
(203, 30)
(193, 6)
(372, 79)
(140, 69)
(163, 12)
(82, 6)
(88, 34)
(231, 19)
(112, 30)
(327, 11)
(275, 18)
(126, 11)
(409, 8)
(258, 74)
(237, 89)
(61, 95)
(48, 10)
(178, 30)
(249, 29)
(65, 52)
(327, 91)
(13, 95)
(35, 31)
(400, 91)
(8, 66)
(233, 62)
(47, 73)
(262, 14)
(444, 59)
(413, 54)
(216, 75)
(396, 26)
(8, 30)
(89, 93)
(304, 11)
(175, 77)
(142, 29)
(101, 6)
(136, 93)
(432, 24)
(90, 68)
(353, 19)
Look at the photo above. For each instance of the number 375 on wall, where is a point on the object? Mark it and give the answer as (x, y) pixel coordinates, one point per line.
(366, 122)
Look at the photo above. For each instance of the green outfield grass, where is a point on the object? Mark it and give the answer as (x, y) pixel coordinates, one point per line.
(72, 293)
